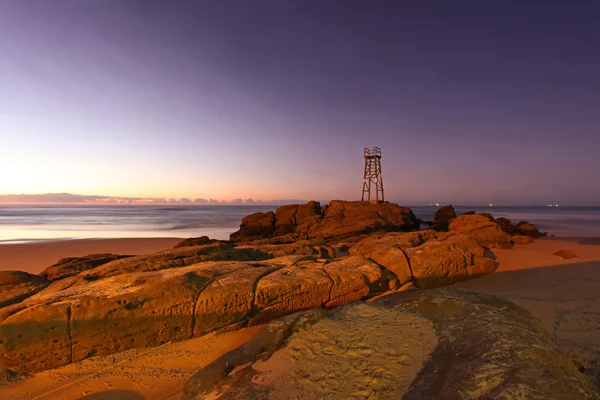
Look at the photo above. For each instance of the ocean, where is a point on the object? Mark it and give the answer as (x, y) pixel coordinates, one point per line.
(36, 223)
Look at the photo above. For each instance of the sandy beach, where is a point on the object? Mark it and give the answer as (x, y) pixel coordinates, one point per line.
(34, 257)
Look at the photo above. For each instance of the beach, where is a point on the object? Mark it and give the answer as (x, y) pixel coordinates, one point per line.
(34, 257)
(562, 294)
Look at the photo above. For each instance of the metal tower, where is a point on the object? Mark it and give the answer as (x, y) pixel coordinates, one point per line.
(372, 174)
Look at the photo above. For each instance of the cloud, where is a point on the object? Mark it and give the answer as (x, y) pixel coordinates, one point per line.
(76, 199)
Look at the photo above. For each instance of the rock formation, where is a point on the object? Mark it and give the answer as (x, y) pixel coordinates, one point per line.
(338, 221)
(74, 265)
(16, 286)
(487, 233)
(527, 229)
(428, 258)
(452, 342)
(442, 218)
(276, 264)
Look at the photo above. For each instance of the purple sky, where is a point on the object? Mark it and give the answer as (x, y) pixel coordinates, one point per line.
(472, 102)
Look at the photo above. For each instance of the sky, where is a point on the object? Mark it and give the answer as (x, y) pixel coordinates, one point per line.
(472, 102)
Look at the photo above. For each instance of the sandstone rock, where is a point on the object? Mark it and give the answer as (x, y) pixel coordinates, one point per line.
(429, 258)
(74, 265)
(521, 239)
(447, 259)
(256, 225)
(485, 232)
(197, 241)
(291, 289)
(506, 225)
(444, 215)
(353, 278)
(390, 251)
(489, 347)
(16, 286)
(76, 318)
(339, 220)
(344, 219)
(525, 228)
(174, 258)
(303, 247)
(483, 347)
(566, 254)
(487, 216)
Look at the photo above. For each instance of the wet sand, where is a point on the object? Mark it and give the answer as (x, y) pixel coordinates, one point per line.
(35, 257)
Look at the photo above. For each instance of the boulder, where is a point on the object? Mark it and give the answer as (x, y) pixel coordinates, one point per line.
(447, 259)
(566, 254)
(443, 216)
(452, 342)
(256, 225)
(339, 220)
(506, 225)
(486, 232)
(527, 229)
(197, 241)
(16, 286)
(74, 265)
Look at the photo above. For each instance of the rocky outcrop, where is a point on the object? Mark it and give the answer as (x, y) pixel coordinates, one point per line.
(339, 220)
(527, 229)
(16, 286)
(201, 287)
(74, 265)
(451, 342)
(442, 218)
(255, 226)
(197, 241)
(486, 232)
(428, 258)
(67, 323)
(506, 225)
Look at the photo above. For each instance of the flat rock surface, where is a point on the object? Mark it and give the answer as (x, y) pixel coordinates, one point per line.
(437, 344)
(562, 294)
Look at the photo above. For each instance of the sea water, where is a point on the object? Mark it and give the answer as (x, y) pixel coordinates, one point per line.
(33, 223)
